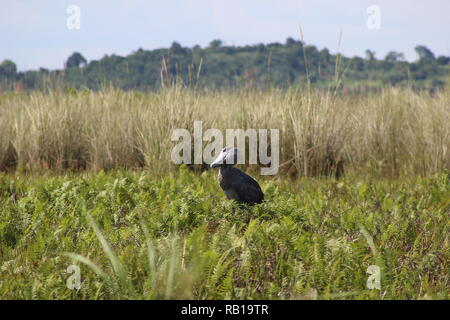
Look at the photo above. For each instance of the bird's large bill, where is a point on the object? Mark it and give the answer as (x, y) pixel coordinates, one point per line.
(226, 156)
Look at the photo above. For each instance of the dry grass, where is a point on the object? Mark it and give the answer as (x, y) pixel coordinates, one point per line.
(393, 133)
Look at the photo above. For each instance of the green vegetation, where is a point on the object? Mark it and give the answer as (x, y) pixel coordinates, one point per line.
(220, 66)
(135, 235)
(86, 179)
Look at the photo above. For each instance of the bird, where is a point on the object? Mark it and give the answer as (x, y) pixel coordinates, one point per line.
(236, 184)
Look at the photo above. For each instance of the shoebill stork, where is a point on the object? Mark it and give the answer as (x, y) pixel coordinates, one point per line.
(236, 184)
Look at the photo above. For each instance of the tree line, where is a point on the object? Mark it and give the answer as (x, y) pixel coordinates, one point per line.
(217, 66)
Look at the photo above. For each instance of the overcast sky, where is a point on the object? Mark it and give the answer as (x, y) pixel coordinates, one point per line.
(34, 33)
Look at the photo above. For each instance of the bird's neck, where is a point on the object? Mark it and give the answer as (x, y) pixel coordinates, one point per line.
(224, 168)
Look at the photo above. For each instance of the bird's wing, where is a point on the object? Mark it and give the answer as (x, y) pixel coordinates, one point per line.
(246, 187)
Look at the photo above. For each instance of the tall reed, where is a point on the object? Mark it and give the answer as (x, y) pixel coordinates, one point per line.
(393, 133)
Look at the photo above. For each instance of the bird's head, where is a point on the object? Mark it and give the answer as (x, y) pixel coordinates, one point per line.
(228, 156)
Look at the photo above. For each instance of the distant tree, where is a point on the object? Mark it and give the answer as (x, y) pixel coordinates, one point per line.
(215, 44)
(260, 47)
(8, 69)
(312, 55)
(370, 55)
(290, 41)
(75, 60)
(274, 45)
(393, 56)
(358, 63)
(176, 48)
(424, 53)
(443, 60)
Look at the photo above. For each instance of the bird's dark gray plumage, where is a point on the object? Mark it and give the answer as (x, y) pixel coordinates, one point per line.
(236, 184)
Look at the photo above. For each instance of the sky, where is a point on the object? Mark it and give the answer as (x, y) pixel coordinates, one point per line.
(34, 33)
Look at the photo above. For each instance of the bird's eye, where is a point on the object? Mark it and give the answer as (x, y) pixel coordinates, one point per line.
(224, 149)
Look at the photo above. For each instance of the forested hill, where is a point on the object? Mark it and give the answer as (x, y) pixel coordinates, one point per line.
(222, 66)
